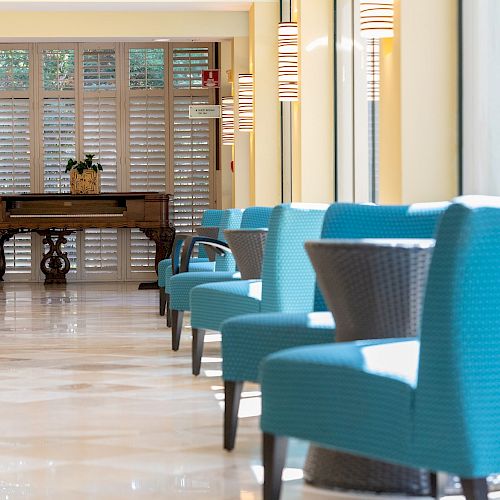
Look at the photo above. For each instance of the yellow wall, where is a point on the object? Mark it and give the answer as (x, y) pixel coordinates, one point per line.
(21, 25)
(241, 176)
(265, 150)
(390, 116)
(423, 71)
(313, 162)
(429, 99)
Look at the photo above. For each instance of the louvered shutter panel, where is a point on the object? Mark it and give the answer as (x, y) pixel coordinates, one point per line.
(100, 118)
(148, 156)
(15, 161)
(191, 138)
(187, 64)
(191, 165)
(147, 140)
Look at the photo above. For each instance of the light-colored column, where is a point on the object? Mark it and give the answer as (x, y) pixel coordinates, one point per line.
(429, 100)
(313, 163)
(265, 150)
(224, 175)
(241, 176)
(390, 174)
(419, 104)
(481, 74)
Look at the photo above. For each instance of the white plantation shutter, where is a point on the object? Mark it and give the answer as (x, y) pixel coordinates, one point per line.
(191, 139)
(15, 158)
(14, 146)
(100, 138)
(191, 165)
(187, 65)
(147, 140)
(148, 156)
(59, 142)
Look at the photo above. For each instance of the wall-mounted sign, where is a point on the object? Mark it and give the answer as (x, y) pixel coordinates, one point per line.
(204, 111)
(210, 78)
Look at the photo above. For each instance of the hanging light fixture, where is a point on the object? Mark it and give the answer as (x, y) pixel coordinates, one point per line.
(227, 121)
(245, 102)
(288, 61)
(377, 18)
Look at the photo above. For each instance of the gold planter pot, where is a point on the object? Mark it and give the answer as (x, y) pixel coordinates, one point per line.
(88, 182)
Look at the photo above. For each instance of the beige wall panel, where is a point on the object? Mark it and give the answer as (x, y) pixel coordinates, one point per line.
(241, 176)
(265, 173)
(390, 116)
(429, 99)
(316, 110)
(22, 25)
(224, 175)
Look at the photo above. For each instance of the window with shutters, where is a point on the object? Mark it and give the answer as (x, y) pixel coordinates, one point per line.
(191, 139)
(15, 145)
(126, 103)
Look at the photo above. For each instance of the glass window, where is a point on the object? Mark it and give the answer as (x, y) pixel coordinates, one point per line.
(14, 70)
(147, 68)
(58, 69)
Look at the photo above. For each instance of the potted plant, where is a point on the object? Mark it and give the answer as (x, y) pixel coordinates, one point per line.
(85, 175)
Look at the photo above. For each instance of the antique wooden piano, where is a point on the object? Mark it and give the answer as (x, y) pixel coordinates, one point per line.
(55, 216)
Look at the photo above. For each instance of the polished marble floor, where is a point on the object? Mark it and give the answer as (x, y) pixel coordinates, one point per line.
(95, 405)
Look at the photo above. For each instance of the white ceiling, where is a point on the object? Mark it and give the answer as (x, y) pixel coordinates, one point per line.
(129, 5)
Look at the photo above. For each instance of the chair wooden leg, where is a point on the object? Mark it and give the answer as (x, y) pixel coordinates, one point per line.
(163, 301)
(197, 349)
(475, 489)
(274, 457)
(168, 312)
(177, 319)
(232, 391)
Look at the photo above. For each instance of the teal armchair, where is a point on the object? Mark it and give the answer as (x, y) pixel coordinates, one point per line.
(288, 280)
(248, 338)
(210, 218)
(225, 266)
(431, 403)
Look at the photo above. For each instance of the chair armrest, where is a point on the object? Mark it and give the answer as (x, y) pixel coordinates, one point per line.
(221, 247)
(179, 240)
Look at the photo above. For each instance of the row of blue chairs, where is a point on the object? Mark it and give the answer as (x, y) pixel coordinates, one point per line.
(429, 414)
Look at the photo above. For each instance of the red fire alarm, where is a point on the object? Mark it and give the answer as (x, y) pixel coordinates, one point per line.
(210, 78)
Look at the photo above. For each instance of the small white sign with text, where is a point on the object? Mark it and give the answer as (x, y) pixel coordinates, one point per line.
(204, 111)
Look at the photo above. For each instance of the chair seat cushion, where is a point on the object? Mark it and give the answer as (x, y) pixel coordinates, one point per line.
(247, 340)
(351, 396)
(196, 264)
(182, 284)
(212, 304)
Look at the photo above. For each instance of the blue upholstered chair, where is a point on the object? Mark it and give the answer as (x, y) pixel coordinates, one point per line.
(210, 218)
(225, 266)
(288, 280)
(247, 339)
(432, 403)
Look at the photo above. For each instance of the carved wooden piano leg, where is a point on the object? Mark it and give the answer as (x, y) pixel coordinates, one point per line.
(5, 235)
(55, 263)
(164, 239)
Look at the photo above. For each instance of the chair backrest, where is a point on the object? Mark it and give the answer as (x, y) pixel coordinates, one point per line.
(256, 217)
(457, 401)
(231, 219)
(288, 278)
(352, 220)
(210, 218)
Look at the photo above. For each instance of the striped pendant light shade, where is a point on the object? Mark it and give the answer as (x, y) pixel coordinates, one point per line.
(227, 121)
(288, 64)
(245, 102)
(377, 18)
